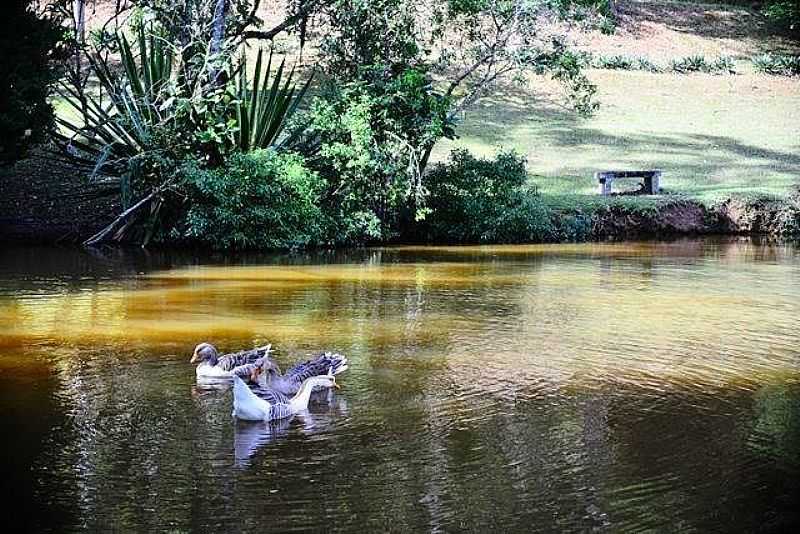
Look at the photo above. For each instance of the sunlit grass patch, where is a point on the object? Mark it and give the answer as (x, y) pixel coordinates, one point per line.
(713, 137)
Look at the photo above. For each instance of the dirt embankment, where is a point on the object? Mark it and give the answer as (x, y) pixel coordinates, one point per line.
(774, 218)
(48, 200)
(43, 200)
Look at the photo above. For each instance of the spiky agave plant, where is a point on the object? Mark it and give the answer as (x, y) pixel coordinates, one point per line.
(118, 122)
(263, 107)
(136, 107)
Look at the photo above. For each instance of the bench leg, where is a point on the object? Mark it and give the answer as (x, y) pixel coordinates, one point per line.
(605, 186)
(651, 186)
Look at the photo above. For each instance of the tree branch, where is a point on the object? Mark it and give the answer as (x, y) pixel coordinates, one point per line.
(290, 21)
(123, 220)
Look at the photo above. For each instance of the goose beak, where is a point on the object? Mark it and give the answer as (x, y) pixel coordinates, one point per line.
(337, 386)
(195, 358)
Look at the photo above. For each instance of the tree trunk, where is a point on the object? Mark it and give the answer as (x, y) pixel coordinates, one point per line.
(612, 7)
(79, 14)
(123, 221)
(79, 26)
(217, 38)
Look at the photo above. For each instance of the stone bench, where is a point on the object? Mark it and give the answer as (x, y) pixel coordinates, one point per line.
(650, 186)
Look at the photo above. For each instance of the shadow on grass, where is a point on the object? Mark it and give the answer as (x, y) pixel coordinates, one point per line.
(715, 20)
(693, 162)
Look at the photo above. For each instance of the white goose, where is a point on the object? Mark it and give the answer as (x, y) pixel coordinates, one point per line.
(250, 407)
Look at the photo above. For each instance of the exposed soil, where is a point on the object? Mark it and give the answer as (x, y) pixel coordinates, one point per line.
(681, 217)
(663, 30)
(773, 218)
(48, 200)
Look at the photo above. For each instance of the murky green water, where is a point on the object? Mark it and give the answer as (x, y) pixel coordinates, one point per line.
(615, 387)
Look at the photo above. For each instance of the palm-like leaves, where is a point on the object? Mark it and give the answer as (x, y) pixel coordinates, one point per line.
(262, 111)
(119, 121)
(140, 109)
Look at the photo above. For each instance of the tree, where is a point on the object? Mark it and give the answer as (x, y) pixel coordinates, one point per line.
(31, 42)
(400, 72)
(784, 13)
(469, 47)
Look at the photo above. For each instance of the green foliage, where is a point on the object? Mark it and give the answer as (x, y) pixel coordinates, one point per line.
(474, 200)
(721, 65)
(365, 33)
(147, 120)
(593, 13)
(259, 200)
(620, 62)
(262, 111)
(138, 96)
(367, 139)
(30, 44)
(784, 13)
(777, 64)
(149, 110)
(566, 67)
(697, 63)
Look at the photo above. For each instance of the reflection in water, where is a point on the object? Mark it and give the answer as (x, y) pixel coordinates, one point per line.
(322, 414)
(538, 388)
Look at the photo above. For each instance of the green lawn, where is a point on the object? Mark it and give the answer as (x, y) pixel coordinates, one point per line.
(713, 136)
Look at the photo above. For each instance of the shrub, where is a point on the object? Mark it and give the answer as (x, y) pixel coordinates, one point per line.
(472, 200)
(784, 13)
(614, 62)
(261, 199)
(591, 14)
(619, 62)
(367, 139)
(30, 47)
(721, 65)
(777, 64)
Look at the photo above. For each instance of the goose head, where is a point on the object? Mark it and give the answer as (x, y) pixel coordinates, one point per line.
(204, 352)
(325, 381)
(264, 366)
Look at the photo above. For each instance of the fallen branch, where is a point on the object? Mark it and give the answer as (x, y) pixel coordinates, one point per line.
(123, 221)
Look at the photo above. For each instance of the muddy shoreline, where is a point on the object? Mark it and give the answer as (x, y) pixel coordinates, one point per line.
(685, 217)
(43, 201)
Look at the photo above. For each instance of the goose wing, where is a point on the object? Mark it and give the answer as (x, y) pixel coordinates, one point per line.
(321, 365)
(270, 395)
(246, 405)
(262, 391)
(229, 362)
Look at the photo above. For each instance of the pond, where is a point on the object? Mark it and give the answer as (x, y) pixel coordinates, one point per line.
(609, 387)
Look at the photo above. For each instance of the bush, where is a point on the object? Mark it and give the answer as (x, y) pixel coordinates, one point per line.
(625, 63)
(591, 14)
(367, 140)
(473, 200)
(30, 47)
(261, 199)
(777, 64)
(721, 65)
(784, 13)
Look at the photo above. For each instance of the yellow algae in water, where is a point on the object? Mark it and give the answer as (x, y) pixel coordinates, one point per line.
(149, 316)
(433, 274)
(630, 311)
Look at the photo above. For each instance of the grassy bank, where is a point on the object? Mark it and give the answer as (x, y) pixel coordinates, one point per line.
(712, 136)
(729, 146)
